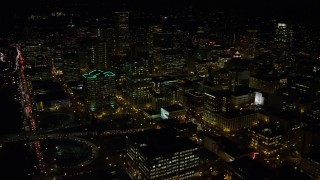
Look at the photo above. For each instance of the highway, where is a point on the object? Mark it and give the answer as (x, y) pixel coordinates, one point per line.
(27, 109)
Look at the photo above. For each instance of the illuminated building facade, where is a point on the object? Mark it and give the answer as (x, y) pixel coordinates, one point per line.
(122, 33)
(100, 90)
(138, 81)
(249, 43)
(32, 54)
(235, 120)
(172, 90)
(99, 55)
(219, 78)
(284, 33)
(267, 139)
(173, 111)
(267, 83)
(195, 103)
(216, 102)
(173, 62)
(161, 154)
(306, 85)
(242, 99)
(202, 66)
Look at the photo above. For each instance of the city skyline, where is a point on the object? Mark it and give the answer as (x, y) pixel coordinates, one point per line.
(159, 90)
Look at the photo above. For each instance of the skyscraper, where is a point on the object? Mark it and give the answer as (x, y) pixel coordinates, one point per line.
(195, 103)
(99, 55)
(138, 82)
(71, 67)
(100, 90)
(122, 32)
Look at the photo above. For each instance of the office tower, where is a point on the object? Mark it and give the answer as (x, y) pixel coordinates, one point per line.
(174, 111)
(100, 90)
(283, 34)
(32, 54)
(99, 55)
(161, 154)
(216, 102)
(122, 33)
(283, 43)
(267, 83)
(138, 81)
(71, 67)
(234, 120)
(195, 103)
(267, 139)
(249, 43)
(243, 99)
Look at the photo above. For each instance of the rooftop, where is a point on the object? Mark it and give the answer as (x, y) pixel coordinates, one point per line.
(160, 142)
(269, 130)
(98, 73)
(174, 107)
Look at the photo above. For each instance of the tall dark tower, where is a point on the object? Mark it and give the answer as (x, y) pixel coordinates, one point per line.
(122, 32)
(99, 56)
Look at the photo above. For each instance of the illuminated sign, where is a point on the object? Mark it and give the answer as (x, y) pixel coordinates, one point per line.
(254, 155)
(258, 99)
(282, 25)
(164, 114)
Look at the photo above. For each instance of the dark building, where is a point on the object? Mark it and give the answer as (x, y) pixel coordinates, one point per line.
(71, 67)
(195, 103)
(99, 55)
(49, 95)
(216, 102)
(248, 168)
(267, 83)
(122, 33)
(310, 164)
(225, 148)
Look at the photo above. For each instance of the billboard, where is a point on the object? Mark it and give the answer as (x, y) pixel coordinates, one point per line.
(164, 114)
(258, 99)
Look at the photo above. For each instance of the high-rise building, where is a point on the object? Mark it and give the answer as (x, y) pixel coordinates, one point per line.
(32, 54)
(99, 56)
(100, 90)
(195, 103)
(283, 42)
(71, 67)
(138, 81)
(216, 102)
(267, 83)
(234, 120)
(267, 139)
(122, 32)
(161, 154)
(283, 33)
(249, 43)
